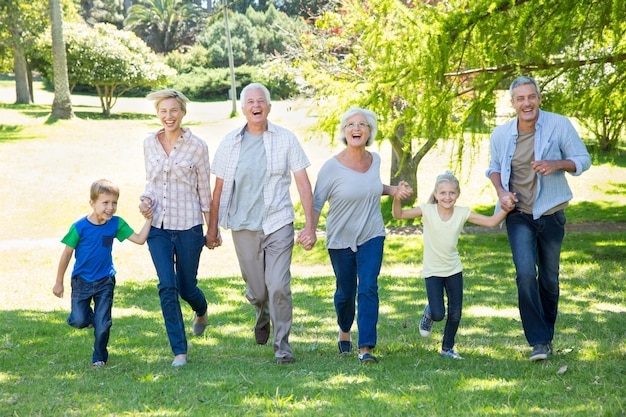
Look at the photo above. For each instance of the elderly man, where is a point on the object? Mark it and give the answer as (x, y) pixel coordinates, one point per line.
(253, 166)
(529, 158)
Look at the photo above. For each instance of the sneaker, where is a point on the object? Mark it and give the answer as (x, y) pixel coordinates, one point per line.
(99, 364)
(345, 346)
(426, 324)
(540, 352)
(285, 360)
(367, 357)
(450, 354)
(549, 346)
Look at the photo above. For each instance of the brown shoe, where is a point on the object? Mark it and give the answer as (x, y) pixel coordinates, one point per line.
(200, 324)
(285, 360)
(262, 334)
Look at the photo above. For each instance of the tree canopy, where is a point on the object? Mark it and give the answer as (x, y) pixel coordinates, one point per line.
(430, 70)
(111, 60)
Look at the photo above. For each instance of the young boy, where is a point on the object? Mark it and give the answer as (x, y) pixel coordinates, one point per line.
(93, 276)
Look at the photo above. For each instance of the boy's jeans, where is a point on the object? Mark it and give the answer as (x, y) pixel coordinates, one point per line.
(82, 315)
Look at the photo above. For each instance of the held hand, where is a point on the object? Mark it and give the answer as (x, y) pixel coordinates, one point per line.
(212, 242)
(507, 201)
(544, 168)
(146, 210)
(307, 239)
(58, 290)
(403, 190)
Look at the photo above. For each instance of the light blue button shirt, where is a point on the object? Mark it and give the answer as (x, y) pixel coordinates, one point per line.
(555, 139)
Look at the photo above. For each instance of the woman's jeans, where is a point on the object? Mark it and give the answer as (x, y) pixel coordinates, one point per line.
(83, 316)
(176, 255)
(536, 249)
(453, 286)
(364, 264)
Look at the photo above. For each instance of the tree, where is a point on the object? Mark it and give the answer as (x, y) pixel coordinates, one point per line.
(165, 25)
(103, 11)
(62, 104)
(430, 70)
(20, 24)
(111, 60)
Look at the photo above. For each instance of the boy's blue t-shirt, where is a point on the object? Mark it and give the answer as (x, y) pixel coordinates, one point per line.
(93, 246)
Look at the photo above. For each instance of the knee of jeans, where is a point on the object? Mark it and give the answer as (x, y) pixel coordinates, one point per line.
(80, 323)
(436, 315)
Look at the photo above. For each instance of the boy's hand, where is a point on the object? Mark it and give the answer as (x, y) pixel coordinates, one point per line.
(58, 290)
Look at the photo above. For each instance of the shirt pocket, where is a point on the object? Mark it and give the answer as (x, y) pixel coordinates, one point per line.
(185, 171)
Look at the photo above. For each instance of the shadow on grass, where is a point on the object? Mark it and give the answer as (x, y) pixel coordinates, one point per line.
(10, 133)
(229, 374)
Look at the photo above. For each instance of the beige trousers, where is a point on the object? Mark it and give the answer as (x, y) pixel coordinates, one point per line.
(265, 262)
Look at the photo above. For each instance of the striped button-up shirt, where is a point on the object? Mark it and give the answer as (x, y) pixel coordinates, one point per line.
(179, 183)
(284, 155)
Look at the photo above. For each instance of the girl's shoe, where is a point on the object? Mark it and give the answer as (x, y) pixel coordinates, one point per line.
(367, 357)
(426, 324)
(450, 354)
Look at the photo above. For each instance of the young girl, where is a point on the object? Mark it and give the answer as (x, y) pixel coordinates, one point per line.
(443, 222)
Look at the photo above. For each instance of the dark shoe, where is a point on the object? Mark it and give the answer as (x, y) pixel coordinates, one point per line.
(345, 346)
(285, 360)
(200, 324)
(367, 357)
(540, 352)
(262, 334)
(450, 354)
(549, 345)
(426, 324)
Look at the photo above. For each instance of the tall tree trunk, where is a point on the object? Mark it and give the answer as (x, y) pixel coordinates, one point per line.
(62, 104)
(20, 68)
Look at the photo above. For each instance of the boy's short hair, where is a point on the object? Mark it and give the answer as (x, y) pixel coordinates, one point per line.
(103, 187)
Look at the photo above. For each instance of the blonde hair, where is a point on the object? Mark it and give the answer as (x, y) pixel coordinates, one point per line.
(159, 96)
(103, 187)
(447, 176)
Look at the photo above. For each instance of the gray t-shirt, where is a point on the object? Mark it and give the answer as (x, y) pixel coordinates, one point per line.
(353, 197)
(246, 210)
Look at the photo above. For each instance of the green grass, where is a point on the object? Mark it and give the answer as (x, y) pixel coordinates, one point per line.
(229, 374)
(45, 364)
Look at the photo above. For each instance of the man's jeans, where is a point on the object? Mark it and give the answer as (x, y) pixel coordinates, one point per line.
(83, 316)
(176, 255)
(536, 249)
(364, 264)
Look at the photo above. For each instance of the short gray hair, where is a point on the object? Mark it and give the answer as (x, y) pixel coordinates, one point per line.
(369, 115)
(523, 80)
(254, 86)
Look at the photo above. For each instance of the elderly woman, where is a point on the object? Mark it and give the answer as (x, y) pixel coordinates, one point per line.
(355, 232)
(178, 195)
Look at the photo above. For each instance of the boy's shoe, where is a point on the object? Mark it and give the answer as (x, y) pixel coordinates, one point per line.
(540, 352)
(345, 346)
(426, 324)
(450, 354)
(367, 357)
(99, 364)
(285, 360)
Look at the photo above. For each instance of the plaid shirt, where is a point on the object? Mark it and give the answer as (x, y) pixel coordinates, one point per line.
(284, 155)
(179, 184)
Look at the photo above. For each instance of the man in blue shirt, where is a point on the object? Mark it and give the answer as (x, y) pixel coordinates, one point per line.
(529, 158)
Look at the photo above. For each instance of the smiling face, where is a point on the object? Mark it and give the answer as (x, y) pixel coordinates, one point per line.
(170, 114)
(357, 131)
(256, 108)
(446, 194)
(526, 100)
(104, 208)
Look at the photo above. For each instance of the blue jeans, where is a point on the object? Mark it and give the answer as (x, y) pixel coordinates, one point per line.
(364, 264)
(176, 255)
(536, 249)
(453, 286)
(83, 316)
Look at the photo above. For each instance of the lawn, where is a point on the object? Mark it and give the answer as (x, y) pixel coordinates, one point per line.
(45, 172)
